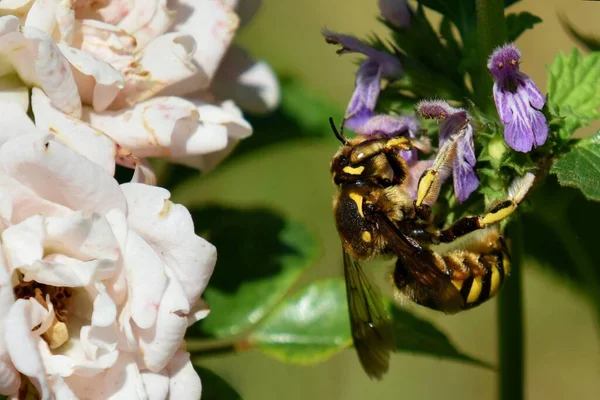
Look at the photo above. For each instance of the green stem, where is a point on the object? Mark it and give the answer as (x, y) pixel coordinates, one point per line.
(212, 346)
(491, 29)
(510, 323)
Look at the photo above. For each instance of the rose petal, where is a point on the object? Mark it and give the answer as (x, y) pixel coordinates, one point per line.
(147, 20)
(146, 279)
(24, 242)
(22, 346)
(98, 82)
(184, 381)
(169, 229)
(81, 137)
(14, 121)
(252, 85)
(9, 377)
(60, 270)
(42, 15)
(106, 42)
(60, 175)
(14, 7)
(143, 173)
(245, 9)
(165, 61)
(53, 72)
(13, 90)
(156, 384)
(212, 24)
(159, 343)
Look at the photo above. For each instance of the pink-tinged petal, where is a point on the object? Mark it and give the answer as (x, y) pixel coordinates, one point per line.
(15, 7)
(20, 202)
(53, 72)
(14, 121)
(146, 279)
(42, 15)
(184, 381)
(24, 242)
(98, 82)
(250, 84)
(147, 20)
(207, 162)
(60, 270)
(65, 19)
(160, 342)
(13, 90)
(82, 236)
(245, 9)
(9, 376)
(59, 174)
(22, 346)
(212, 24)
(62, 391)
(74, 133)
(106, 42)
(123, 380)
(143, 173)
(105, 310)
(117, 285)
(165, 61)
(169, 229)
(156, 384)
(225, 114)
(199, 311)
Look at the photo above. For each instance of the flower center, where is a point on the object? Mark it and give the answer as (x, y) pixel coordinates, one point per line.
(57, 334)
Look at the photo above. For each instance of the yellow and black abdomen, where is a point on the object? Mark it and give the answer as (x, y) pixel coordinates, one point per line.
(485, 274)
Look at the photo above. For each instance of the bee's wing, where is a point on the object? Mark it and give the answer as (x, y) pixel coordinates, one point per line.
(371, 329)
(425, 283)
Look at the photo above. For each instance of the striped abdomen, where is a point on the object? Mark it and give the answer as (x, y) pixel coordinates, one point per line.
(477, 276)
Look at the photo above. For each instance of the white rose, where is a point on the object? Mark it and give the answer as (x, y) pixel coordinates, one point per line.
(112, 82)
(98, 281)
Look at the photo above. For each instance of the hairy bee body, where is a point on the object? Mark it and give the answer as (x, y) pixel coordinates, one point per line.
(449, 270)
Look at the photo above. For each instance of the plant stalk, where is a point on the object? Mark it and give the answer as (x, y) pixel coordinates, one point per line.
(491, 28)
(511, 380)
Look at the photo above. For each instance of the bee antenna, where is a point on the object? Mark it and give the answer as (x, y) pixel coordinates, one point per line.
(338, 134)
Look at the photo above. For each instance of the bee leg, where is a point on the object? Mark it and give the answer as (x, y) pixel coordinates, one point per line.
(432, 179)
(392, 153)
(498, 212)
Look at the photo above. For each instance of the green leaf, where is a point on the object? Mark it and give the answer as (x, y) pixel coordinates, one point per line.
(312, 325)
(417, 335)
(516, 24)
(574, 89)
(589, 41)
(580, 167)
(308, 327)
(214, 387)
(260, 256)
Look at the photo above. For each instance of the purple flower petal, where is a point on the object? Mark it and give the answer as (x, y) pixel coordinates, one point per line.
(453, 124)
(517, 137)
(366, 91)
(390, 126)
(389, 64)
(518, 101)
(536, 98)
(377, 66)
(396, 12)
(539, 127)
(465, 180)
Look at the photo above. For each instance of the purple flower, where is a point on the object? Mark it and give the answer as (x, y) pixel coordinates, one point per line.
(456, 138)
(377, 66)
(518, 101)
(393, 126)
(396, 12)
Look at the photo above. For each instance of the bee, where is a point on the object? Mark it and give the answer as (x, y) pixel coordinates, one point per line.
(449, 270)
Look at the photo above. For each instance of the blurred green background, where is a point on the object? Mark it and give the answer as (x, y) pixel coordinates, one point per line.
(562, 347)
